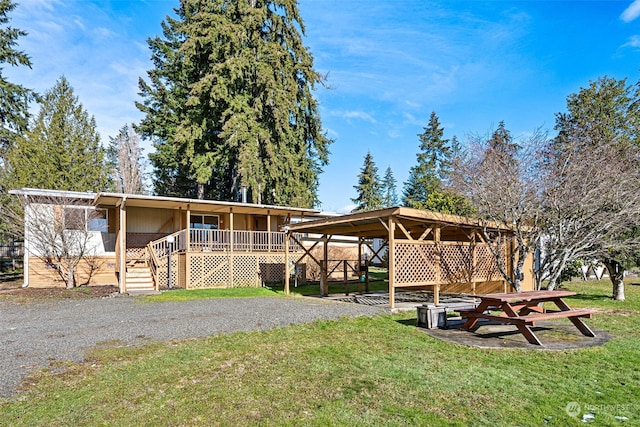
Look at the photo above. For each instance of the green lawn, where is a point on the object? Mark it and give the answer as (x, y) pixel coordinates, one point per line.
(365, 371)
(194, 294)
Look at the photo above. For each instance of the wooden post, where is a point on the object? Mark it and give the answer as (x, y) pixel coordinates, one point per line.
(474, 262)
(359, 263)
(436, 288)
(392, 262)
(269, 231)
(324, 267)
(188, 227)
(366, 274)
(122, 238)
(286, 262)
(232, 248)
(344, 276)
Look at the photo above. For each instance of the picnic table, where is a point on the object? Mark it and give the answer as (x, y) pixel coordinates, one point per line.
(524, 309)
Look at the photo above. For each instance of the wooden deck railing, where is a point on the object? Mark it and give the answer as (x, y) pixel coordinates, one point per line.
(243, 241)
(216, 241)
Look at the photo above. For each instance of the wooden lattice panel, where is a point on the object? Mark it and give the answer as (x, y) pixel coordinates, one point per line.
(415, 263)
(456, 263)
(136, 253)
(208, 271)
(246, 271)
(162, 275)
(486, 268)
(215, 271)
(271, 268)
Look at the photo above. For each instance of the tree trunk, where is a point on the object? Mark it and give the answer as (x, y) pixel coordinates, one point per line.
(616, 274)
(70, 278)
(552, 284)
(200, 191)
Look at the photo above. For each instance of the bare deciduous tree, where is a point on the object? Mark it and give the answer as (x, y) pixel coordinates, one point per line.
(125, 156)
(502, 181)
(591, 207)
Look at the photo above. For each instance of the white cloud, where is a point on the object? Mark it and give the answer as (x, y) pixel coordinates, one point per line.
(634, 42)
(632, 12)
(354, 114)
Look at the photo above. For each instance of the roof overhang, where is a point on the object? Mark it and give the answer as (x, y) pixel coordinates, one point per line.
(374, 224)
(110, 200)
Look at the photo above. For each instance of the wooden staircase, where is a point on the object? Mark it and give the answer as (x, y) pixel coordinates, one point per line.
(139, 279)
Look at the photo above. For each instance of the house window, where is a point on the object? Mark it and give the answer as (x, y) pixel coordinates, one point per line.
(97, 220)
(204, 222)
(74, 218)
(82, 218)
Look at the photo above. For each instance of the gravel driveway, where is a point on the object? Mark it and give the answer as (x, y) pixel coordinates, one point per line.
(34, 335)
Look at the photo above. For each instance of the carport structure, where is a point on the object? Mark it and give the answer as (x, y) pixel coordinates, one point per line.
(446, 253)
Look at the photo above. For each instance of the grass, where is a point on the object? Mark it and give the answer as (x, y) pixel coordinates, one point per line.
(363, 371)
(195, 294)
(377, 282)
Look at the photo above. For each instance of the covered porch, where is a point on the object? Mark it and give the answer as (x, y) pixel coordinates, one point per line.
(426, 250)
(196, 243)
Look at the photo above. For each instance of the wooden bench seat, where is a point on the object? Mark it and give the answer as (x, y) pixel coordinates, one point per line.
(530, 319)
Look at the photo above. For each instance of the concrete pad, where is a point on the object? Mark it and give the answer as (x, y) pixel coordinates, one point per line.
(553, 335)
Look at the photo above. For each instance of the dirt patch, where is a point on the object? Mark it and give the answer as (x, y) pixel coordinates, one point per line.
(12, 291)
(553, 335)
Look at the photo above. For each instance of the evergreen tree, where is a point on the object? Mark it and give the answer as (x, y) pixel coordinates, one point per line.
(389, 189)
(229, 103)
(125, 155)
(368, 188)
(62, 151)
(434, 163)
(501, 144)
(14, 99)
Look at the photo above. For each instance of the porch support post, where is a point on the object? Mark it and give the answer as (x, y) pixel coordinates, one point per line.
(436, 288)
(359, 263)
(122, 239)
(324, 284)
(269, 231)
(232, 249)
(187, 226)
(286, 262)
(392, 262)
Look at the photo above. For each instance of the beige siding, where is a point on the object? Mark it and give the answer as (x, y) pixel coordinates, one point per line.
(43, 276)
(143, 220)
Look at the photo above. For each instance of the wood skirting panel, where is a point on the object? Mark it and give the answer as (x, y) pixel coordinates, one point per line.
(42, 275)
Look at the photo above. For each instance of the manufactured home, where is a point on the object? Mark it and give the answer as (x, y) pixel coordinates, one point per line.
(140, 242)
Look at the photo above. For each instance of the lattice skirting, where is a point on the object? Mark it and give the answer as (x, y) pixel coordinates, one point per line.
(238, 270)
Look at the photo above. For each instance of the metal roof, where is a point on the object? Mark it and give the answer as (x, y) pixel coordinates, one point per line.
(374, 224)
(105, 200)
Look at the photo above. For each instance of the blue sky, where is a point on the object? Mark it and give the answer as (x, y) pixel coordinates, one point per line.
(390, 63)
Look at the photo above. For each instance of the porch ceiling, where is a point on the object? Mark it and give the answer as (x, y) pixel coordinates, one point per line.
(373, 224)
(110, 200)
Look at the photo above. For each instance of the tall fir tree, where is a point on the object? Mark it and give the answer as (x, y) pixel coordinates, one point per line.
(426, 186)
(369, 187)
(14, 98)
(389, 189)
(62, 151)
(14, 105)
(433, 163)
(502, 144)
(230, 103)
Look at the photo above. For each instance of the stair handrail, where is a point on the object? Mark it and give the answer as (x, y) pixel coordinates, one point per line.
(179, 245)
(153, 265)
